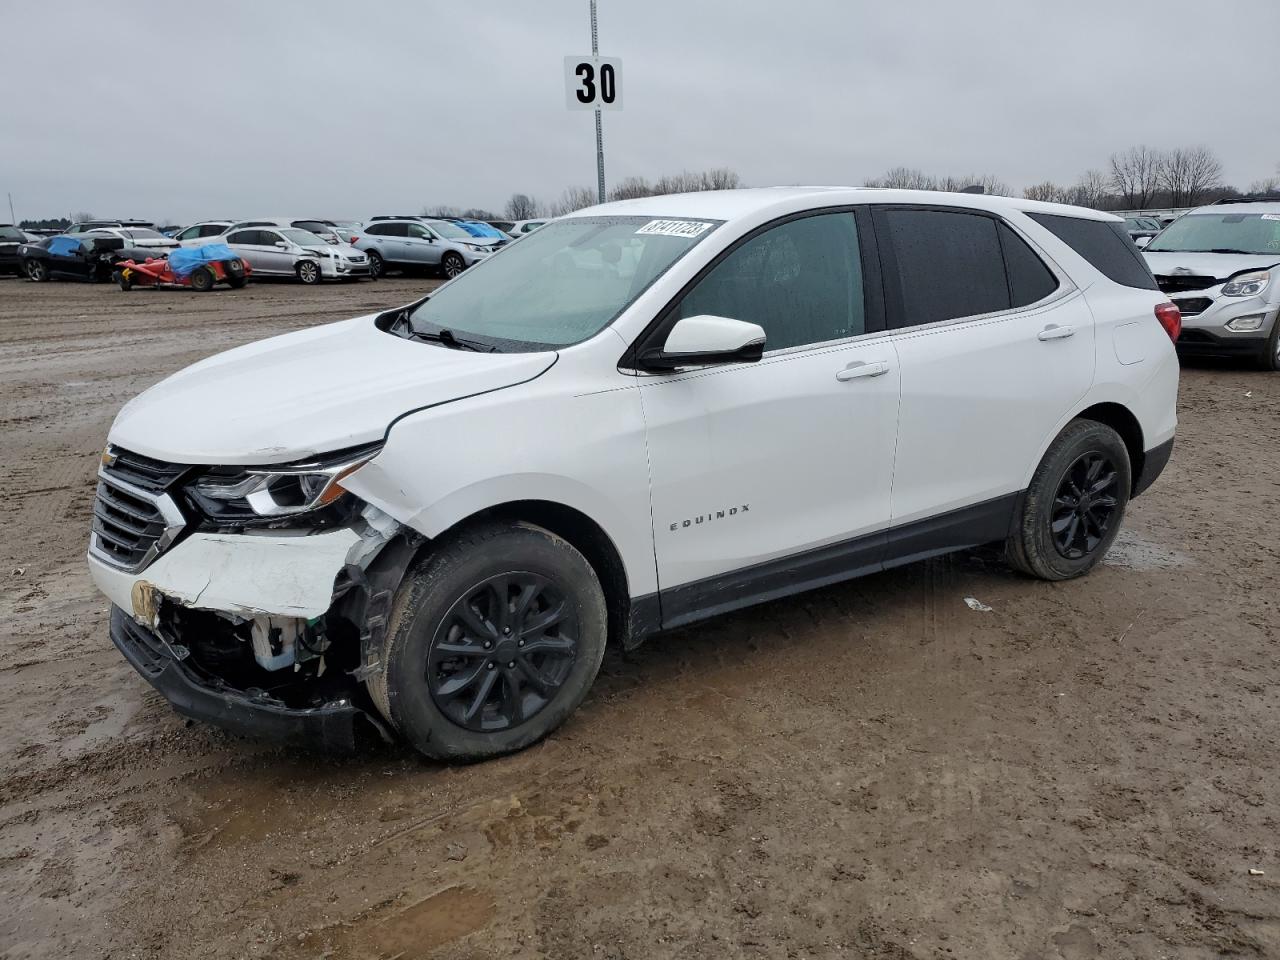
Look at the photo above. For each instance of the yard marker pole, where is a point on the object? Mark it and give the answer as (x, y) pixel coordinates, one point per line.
(595, 52)
(11, 217)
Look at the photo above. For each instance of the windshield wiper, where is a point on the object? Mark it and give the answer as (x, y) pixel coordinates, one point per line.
(446, 337)
(1247, 253)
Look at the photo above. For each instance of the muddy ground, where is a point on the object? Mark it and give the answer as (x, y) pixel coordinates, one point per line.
(872, 770)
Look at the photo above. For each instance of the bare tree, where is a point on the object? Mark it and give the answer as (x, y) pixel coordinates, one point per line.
(630, 189)
(521, 206)
(574, 198)
(82, 217)
(719, 178)
(904, 178)
(1136, 174)
(1267, 185)
(1047, 191)
(1091, 190)
(441, 210)
(989, 182)
(1189, 172)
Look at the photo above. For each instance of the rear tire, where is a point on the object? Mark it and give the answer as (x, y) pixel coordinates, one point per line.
(202, 280)
(1073, 509)
(459, 675)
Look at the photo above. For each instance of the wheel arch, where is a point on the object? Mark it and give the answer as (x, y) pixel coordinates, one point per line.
(1122, 420)
(584, 534)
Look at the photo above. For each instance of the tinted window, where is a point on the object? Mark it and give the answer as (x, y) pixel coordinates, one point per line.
(1029, 279)
(376, 229)
(801, 281)
(394, 230)
(949, 265)
(315, 226)
(1105, 244)
(244, 236)
(212, 230)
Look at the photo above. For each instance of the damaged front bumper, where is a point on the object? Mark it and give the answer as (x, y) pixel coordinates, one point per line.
(200, 696)
(264, 633)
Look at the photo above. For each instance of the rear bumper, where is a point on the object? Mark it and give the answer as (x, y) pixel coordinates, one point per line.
(332, 726)
(1153, 464)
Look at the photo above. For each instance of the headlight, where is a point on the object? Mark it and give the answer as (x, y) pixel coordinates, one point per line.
(1247, 284)
(478, 248)
(247, 494)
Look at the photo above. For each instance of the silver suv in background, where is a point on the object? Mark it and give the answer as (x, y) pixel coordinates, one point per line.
(413, 244)
(1221, 265)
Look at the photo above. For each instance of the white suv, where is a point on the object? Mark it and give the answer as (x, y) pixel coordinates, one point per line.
(641, 415)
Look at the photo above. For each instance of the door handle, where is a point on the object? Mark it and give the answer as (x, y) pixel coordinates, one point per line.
(1055, 332)
(858, 368)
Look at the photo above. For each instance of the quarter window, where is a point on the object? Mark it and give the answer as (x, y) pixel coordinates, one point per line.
(1029, 279)
(949, 265)
(1105, 244)
(801, 281)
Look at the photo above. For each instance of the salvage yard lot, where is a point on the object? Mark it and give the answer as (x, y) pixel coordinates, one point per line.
(870, 770)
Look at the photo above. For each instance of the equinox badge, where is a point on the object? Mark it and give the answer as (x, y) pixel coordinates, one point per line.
(708, 517)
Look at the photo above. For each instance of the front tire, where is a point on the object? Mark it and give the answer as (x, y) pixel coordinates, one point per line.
(1269, 359)
(451, 264)
(37, 270)
(1073, 509)
(309, 272)
(494, 639)
(376, 266)
(202, 280)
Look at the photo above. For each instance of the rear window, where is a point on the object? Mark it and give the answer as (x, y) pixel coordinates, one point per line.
(1105, 244)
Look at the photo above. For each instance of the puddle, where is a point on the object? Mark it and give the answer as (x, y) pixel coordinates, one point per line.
(1134, 552)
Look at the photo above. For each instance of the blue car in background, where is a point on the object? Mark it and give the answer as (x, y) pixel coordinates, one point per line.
(478, 228)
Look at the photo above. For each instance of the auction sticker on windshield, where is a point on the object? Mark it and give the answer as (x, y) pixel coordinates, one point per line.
(675, 228)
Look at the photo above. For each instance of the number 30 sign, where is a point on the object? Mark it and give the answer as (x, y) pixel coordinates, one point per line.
(593, 83)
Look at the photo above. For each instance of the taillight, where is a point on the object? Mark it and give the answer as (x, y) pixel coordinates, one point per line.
(1170, 318)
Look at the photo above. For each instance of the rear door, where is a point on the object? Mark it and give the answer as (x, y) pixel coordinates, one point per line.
(996, 347)
(252, 246)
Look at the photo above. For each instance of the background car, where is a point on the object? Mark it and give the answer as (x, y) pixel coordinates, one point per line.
(1219, 265)
(503, 225)
(478, 228)
(85, 226)
(70, 257)
(201, 232)
(11, 238)
(142, 238)
(419, 244)
(1142, 228)
(521, 227)
(290, 252)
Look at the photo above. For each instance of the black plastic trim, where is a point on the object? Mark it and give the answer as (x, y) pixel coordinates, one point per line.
(1153, 463)
(970, 526)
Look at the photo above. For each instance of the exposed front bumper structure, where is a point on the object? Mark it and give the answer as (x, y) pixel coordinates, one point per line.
(203, 697)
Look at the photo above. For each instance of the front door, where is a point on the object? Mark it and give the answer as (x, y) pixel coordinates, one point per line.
(996, 349)
(774, 474)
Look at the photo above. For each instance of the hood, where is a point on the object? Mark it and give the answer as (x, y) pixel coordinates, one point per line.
(306, 393)
(1218, 265)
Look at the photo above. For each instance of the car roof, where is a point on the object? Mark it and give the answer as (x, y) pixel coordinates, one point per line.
(752, 202)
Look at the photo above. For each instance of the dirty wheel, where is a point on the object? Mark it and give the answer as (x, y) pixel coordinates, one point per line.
(309, 272)
(1269, 358)
(451, 265)
(1073, 509)
(376, 266)
(494, 639)
(202, 280)
(125, 283)
(37, 270)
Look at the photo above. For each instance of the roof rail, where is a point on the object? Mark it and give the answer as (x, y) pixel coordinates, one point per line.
(397, 216)
(1262, 199)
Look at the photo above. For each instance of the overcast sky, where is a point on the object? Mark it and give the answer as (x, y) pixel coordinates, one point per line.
(196, 110)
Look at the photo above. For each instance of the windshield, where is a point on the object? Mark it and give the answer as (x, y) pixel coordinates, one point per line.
(138, 233)
(560, 285)
(315, 226)
(1221, 233)
(303, 238)
(9, 233)
(450, 231)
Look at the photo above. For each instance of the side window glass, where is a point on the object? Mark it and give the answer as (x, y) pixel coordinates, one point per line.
(1029, 279)
(801, 281)
(211, 230)
(243, 236)
(949, 265)
(397, 229)
(417, 231)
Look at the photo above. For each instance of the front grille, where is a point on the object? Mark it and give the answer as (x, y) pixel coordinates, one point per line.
(355, 259)
(1179, 284)
(1192, 306)
(134, 518)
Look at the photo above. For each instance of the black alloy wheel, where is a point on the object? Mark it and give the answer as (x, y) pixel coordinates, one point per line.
(1085, 505)
(502, 651)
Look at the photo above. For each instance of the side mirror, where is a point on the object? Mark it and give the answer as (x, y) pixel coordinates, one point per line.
(1142, 242)
(282, 244)
(704, 341)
